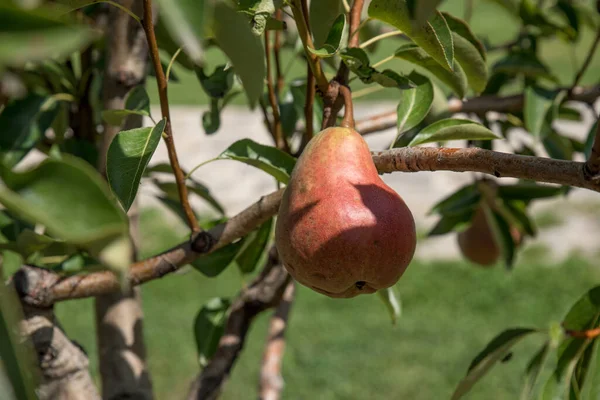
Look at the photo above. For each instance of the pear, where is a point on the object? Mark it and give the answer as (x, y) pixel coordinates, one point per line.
(341, 230)
(477, 243)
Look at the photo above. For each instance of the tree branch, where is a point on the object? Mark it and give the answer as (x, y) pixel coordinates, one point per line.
(64, 365)
(47, 290)
(161, 81)
(501, 104)
(263, 293)
(277, 130)
(271, 382)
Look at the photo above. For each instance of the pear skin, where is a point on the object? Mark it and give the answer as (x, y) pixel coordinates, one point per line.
(341, 230)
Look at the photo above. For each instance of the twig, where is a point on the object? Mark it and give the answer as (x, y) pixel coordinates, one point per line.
(588, 60)
(305, 36)
(161, 81)
(45, 289)
(277, 53)
(271, 382)
(333, 102)
(501, 104)
(265, 292)
(277, 131)
(587, 334)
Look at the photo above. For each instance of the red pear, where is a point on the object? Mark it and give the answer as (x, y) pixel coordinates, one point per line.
(341, 230)
(477, 243)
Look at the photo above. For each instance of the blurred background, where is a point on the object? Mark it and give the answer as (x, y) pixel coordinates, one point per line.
(348, 349)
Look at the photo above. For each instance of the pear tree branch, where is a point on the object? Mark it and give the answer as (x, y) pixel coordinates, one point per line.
(46, 289)
(263, 293)
(477, 105)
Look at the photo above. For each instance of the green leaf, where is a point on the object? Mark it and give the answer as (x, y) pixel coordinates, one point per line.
(528, 191)
(453, 129)
(209, 326)
(127, 157)
(532, 373)
(195, 187)
(414, 104)
(538, 102)
(211, 119)
(421, 10)
(525, 63)
(450, 222)
(322, 15)
(70, 198)
(137, 102)
(485, 360)
(169, 44)
(358, 61)
(16, 355)
(464, 199)
(218, 83)
(22, 125)
(461, 28)
(558, 146)
(456, 79)
(254, 248)
(38, 34)
(472, 63)
(392, 304)
(335, 39)
(185, 20)
(433, 36)
(500, 228)
(260, 13)
(589, 141)
(216, 262)
(591, 385)
(267, 158)
(517, 212)
(242, 47)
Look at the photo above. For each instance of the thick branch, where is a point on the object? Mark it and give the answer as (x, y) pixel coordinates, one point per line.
(504, 104)
(164, 107)
(63, 364)
(264, 292)
(271, 382)
(46, 291)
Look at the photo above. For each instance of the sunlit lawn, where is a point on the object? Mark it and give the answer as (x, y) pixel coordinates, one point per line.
(347, 349)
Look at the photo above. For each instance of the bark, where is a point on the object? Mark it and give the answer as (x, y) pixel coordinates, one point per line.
(271, 381)
(263, 293)
(119, 316)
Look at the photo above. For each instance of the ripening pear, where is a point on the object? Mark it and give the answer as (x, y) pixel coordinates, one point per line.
(341, 230)
(477, 243)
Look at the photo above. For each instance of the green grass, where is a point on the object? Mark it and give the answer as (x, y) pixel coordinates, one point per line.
(489, 21)
(347, 349)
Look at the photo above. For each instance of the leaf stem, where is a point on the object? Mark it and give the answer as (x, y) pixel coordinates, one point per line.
(171, 62)
(161, 81)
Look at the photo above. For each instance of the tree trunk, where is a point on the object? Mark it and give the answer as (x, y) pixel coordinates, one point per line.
(119, 316)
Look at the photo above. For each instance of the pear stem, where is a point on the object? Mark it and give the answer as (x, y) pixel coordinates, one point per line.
(348, 120)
